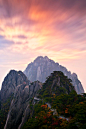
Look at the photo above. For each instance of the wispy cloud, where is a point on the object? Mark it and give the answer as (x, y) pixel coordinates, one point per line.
(56, 28)
(41, 19)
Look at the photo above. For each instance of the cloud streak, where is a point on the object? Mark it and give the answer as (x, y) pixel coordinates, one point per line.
(56, 25)
(56, 28)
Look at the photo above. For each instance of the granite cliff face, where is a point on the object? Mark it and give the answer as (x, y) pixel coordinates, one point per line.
(18, 88)
(11, 82)
(17, 91)
(43, 66)
(19, 109)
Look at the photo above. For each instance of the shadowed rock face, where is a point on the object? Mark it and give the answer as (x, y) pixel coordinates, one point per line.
(19, 109)
(11, 82)
(43, 66)
(21, 90)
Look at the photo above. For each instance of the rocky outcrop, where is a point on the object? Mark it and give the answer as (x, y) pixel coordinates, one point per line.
(43, 66)
(17, 91)
(21, 91)
(19, 110)
(56, 84)
(77, 84)
(12, 81)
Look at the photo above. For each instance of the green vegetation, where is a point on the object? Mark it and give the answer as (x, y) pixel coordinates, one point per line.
(4, 112)
(58, 106)
(56, 84)
(72, 107)
(68, 110)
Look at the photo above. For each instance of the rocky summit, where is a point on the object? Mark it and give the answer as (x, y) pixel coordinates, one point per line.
(42, 67)
(11, 83)
(16, 93)
(44, 83)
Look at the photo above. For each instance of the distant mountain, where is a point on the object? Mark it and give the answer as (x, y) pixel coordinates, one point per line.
(19, 94)
(43, 66)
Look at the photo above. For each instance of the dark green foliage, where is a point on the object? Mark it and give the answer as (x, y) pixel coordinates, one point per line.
(56, 84)
(4, 111)
(67, 109)
(72, 108)
(63, 98)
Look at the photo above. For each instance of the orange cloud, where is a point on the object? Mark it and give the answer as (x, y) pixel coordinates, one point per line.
(42, 23)
(54, 27)
(40, 27)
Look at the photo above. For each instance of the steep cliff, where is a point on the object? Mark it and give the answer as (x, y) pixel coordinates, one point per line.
(57, 105)
(16, 93)
(43, 66)
(19, 109)
(11, 82)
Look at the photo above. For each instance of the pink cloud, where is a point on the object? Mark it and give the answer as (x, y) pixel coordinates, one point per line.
(40, 27)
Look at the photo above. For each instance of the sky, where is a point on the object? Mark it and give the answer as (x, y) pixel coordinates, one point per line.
(53, 28)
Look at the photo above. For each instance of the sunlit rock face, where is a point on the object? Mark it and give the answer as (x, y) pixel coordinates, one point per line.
(43, 66)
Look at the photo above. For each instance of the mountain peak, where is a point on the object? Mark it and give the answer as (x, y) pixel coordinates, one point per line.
(57, 83)
(40, 58)
(11, 81)
(74, 75)
(46, 58)
(42, 67)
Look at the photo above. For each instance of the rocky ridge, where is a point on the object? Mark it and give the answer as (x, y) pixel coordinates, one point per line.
(42, 67)
(20, 90)
(17, 91)
(12, 81)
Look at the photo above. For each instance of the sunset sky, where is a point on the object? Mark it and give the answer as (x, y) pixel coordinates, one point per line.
(53, 28)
